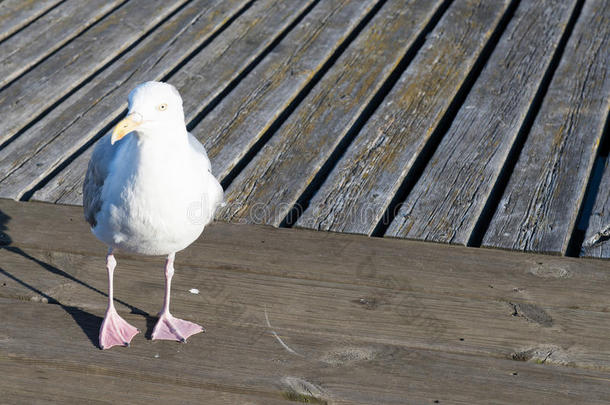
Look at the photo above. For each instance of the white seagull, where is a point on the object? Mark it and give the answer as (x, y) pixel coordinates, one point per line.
(149, 190)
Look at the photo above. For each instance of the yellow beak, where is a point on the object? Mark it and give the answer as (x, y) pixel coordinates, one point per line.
(125, 126)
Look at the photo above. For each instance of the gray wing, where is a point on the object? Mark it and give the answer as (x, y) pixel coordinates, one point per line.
(103, 153)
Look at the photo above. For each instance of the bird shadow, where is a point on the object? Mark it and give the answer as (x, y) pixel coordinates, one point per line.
(88, 322)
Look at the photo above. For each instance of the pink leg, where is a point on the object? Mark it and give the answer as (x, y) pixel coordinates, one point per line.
(168, 327)
(115, 330)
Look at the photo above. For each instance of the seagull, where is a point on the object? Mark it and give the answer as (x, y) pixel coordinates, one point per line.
(149, 190)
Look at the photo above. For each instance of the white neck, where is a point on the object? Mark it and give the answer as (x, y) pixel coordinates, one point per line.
(162, 137)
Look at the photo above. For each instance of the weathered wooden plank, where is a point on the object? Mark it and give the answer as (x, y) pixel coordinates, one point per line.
(15, 14)
(50, 383)
(48, 33)
(540, 205)
(450, 195)
(230, 130)
(367, 262)
(266, 22)
(31, 157)
(355, 195)
(276, 80)
(266, 189)
(597, 235)
(392, 291)
(27, 97)
(398, 297)
(391, 313)
(247, 360)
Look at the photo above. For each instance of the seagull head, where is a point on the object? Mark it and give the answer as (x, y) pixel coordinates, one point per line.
(155, 109)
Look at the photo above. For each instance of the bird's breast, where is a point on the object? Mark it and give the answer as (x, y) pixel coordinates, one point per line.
(150, 203)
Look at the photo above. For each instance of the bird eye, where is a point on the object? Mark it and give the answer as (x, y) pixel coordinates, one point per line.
(162, 107)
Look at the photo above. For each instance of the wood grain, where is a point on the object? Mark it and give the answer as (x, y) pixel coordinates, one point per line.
(540, 205)
(356, 193)
(209, 73)
(37, 90)
(400, 310)
(51, 383)
(391, 313)
(268, 186)
(369, 262)
(429, 295)
(15, 14)
(31, 157)
(249, 361)
(450, 195)
(243, 117)
(309, 44)
(595, 243)
(49, 33)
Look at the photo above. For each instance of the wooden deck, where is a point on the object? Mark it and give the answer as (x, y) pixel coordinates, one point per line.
(476, 124)
(296, 315)
(465, 122)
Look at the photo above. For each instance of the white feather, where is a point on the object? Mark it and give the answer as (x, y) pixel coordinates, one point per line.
(158, 192)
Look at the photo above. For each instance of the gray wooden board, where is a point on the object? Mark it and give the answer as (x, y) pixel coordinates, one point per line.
(247, 360)
(46, 383)
(27, 97)
(387, 314)
(15, 14)
(399, 309)
(450, 195)
(31, 157)
(596, 239)
(541, 202)
(405, 293)
(495, 275)
(232, 127)
(268, 186)
(48, 33)
(356, 193)
(264, 24)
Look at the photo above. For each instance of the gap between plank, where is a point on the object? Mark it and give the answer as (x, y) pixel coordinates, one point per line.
(444, 124)
(29, 193)
(90, 77)
(595, 177)
(57, 50)
(277, 123)
(302, 202)
(233, 83)
(33, 21)
(501, 182)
